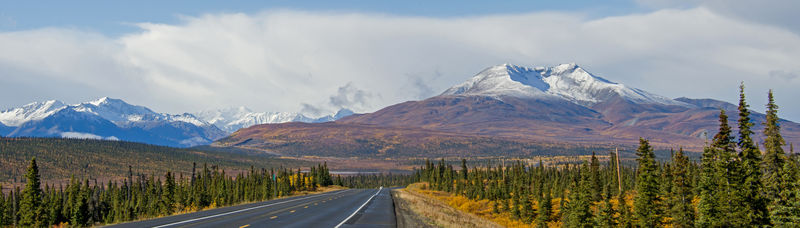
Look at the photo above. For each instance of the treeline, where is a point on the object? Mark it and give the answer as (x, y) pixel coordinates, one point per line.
(81, 203)
(375, 180)
(60, 158)
(734, 185)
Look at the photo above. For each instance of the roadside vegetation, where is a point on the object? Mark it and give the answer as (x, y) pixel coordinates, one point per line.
(735, 184)
(83, 203)
(440, 209)
(61, 158)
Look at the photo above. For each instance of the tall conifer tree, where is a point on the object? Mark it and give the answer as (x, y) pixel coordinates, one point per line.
(727, 177)
(605, 213)
(774, 156)
(755, 205)
(545, 209)
(646, 204)
(785, 210)
(596, 182)
(3, 208)
(30, 207)
(580, 202)
(682, 211)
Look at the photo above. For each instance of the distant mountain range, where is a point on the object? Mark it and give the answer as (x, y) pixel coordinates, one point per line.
(515, 104)
(232, 119)
(114, 119)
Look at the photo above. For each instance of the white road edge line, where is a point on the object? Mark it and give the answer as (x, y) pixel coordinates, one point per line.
(241, 210)
(359, 208)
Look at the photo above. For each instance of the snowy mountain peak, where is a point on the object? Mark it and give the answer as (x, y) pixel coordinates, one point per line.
(343, 113)
(233, 119)
(566, 81)
(117, 111)
(99, 101)
(502, 80)
(33, 111)
(107, 118)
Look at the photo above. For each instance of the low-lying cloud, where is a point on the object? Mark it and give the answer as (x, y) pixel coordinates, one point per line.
(287, 60)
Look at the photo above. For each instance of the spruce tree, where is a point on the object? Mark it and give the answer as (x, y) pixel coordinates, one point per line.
(464, 170)
(755, 205)
(545, 209)
(727, 177)
(515, 206)
(774, 156)
(682, 211)
(785, 210)
(30, 207)
(580, 202)
(168, 195)
(80, 207)
(3, 220)
(646, 204)
(605, 214)
(708, 207)
(527, 208)
(666, 186)
(596, 182)
(625, 217)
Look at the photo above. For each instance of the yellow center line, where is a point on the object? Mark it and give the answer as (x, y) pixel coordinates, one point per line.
(305, 207)
(273, 217)
(244, 226)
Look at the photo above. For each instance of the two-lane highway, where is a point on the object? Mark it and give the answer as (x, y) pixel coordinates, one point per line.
(344, 208)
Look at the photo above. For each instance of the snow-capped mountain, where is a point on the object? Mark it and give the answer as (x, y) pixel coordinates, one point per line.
(107, 118)
(560, 103)
(34, 111)
(232, 119)
(565, 81)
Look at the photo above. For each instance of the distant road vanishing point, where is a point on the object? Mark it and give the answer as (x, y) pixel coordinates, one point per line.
(343, 208)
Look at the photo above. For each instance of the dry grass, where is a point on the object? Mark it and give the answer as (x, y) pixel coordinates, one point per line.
(439, 212)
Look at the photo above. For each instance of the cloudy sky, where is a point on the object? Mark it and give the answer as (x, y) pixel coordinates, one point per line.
(317, 57)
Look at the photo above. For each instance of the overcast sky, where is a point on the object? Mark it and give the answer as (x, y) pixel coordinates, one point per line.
(317, 57)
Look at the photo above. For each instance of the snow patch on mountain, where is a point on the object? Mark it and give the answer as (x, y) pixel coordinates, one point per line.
(566, 81)
(34, 111)
(503, 80)
(118, 111)
(186, 117)
(107, 118)
(233, 119)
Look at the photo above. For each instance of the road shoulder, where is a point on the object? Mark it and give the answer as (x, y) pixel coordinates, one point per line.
(420, 210)
(405, 216)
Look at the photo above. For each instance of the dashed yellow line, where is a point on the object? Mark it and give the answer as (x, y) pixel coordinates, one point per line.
(305, 207)
(244, 226)
(292, 211)
(273, 217)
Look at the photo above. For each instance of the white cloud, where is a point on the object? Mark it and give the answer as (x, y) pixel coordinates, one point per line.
(781, 13)
(293, 60)
(82, 135)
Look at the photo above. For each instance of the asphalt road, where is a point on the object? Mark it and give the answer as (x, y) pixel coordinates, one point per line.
(344, 208)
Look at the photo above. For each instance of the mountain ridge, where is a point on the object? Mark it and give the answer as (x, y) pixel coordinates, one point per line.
(232, 119)
(563, 103)
(114, 119)
(107, 118)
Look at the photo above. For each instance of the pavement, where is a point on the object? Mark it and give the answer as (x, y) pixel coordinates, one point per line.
(343, 208)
